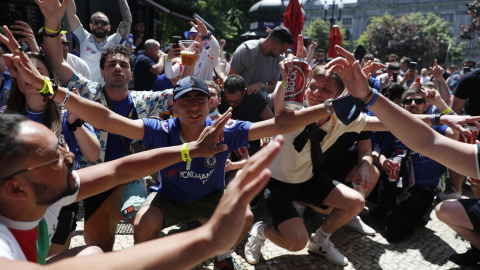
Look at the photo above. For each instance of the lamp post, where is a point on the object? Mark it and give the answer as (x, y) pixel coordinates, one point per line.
(332, 18)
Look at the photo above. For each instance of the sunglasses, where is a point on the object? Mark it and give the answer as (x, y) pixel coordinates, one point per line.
(101, 22)
(66, 43)
(418, 101)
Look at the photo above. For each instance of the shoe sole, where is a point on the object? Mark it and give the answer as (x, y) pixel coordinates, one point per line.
(248, 261)
(321, 254)
(364, 233)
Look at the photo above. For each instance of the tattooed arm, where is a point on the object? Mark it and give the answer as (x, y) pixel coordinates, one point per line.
(126, 23)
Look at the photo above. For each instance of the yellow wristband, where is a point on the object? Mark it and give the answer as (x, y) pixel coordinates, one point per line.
(168, 59)
(447, 111)
(284, 84)
(47, 89)
(52, 31)
(185, 153)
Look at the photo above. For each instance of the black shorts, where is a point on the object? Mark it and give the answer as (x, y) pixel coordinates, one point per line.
(175, 212)
(67, 222)
(279, 196)
(472, 207)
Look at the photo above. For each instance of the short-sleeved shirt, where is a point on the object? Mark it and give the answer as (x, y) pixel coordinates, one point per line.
(250, 63)
(5, 89)
(205, 175)
(427, 171)
(144, 79)
(249, 110)
(162, 83)
(295, 167)
(145, 103)
(79, 65)
(91, 51)
(12, 232)
(468, 88)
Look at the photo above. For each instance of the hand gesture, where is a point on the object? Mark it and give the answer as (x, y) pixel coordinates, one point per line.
(200, 27)
(313, 45)
(351, 73)
(206, 144)
(222, 42)
(370, 68)
(29, 37)
(301, 51)
(18, 63)
(432, 96)
(436, 70)
(457, 122)
(52, 9)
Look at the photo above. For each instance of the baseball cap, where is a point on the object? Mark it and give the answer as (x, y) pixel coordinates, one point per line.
(192, 30)
(129, 41)
(188, 84)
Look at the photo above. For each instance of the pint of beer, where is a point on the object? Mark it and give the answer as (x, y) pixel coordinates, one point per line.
(187, 53)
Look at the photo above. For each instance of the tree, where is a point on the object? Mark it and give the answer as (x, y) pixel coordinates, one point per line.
(421, 38)
(468, 31)
(320, 29)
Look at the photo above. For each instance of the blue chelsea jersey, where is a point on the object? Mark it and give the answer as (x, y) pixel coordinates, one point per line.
(205, 175)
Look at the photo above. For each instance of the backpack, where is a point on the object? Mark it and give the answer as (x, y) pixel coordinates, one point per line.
(405, 179)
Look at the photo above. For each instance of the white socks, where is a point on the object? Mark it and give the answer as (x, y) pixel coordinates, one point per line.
(320, 236)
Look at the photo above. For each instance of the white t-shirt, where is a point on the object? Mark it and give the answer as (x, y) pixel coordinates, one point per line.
(9, 247)
(91, 51)
(79, 65)
(293, 167)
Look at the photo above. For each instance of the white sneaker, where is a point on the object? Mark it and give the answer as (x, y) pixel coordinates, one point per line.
(328, 251)
(358, 225)
(254, 245)
(450, 194)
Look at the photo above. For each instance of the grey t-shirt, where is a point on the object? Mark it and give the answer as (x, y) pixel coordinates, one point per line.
(250, 63)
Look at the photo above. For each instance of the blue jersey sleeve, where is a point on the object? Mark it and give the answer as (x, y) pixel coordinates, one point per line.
(236, 134)
(155, 134)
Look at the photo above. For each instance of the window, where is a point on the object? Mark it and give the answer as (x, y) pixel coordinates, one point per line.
(449, 17)
(347, 21)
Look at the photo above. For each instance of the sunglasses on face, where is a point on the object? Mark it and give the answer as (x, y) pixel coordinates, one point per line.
(418, 101)
(66, 43)
(101, 22)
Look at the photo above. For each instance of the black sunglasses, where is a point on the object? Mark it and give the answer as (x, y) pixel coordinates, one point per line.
(101, 22)
(418, 101)
(66, 43)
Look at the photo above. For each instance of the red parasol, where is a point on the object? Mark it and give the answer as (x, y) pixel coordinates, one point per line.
(293, 20)
(335, 39)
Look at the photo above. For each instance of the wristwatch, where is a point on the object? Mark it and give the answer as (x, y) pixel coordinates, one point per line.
(326, 104)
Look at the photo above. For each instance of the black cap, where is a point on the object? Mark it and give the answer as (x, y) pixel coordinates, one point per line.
(188, 84)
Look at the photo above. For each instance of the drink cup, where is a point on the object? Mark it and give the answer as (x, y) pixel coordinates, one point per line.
(296, 83)
(187, 52)
(393, 176)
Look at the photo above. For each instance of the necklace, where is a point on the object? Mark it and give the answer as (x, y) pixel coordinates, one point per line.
(32, 112)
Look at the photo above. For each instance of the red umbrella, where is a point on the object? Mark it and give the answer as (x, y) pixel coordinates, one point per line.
(335, 39)
(293, 20)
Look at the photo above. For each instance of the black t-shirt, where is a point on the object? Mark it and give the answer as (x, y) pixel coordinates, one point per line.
(469, 88)
(143, 78)
(249, 110)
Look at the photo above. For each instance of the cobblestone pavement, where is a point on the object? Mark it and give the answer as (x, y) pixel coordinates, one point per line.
(427, 248)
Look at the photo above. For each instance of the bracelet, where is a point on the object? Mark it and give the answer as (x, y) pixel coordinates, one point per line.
(168, 59)
(367, 97)
(447, 111)
(55, 33)
(326, 104)
(284, 85)
(67, 95)
(432, 120)
(437, 119)
(73, 126)
(186, 155)
(375, 96)
(49, 88)
(207, 36)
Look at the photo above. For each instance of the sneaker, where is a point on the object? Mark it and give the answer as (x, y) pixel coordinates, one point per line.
(450, 194)
(254, 245)
(328, 251)
(469, 258)
(227, 264)
(358, 225)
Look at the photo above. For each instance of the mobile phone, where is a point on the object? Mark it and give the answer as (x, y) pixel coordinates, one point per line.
(466, 69)
(175, 41)
(12, 16)
(359, 53)
(413, 65)
(216, 74)
(395, 76)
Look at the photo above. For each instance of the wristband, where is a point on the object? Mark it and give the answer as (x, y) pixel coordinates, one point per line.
(284, 85)
(432, 120)
(367, 97)
(326, 104)
(374, 98)
(55, 33)
(67, 95)
(49, 88)
(447, 111)
(73, 126)
(168, 59)
(186, 155)
(207, 36)
(437, 119)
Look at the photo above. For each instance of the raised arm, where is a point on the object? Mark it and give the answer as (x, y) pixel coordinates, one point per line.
(437, 72)
(411, 131)
(126, 23)
(53, 12)
(72, 18)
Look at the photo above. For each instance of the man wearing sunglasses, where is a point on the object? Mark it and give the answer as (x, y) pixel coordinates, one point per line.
(414, 212)
(76, 62)
(92, 45)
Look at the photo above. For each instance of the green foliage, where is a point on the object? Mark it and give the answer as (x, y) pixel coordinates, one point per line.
(228, 17)
(423, 38)
(320, 29)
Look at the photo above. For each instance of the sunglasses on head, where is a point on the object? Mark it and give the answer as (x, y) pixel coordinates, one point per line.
(101, 22)
(418, 101)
